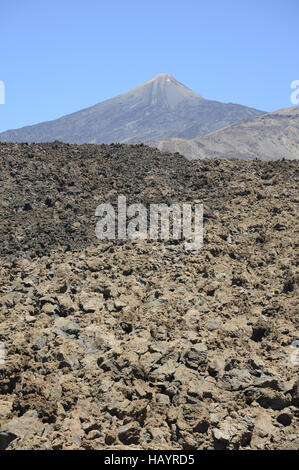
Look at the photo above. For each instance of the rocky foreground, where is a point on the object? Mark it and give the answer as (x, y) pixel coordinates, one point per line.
(142, 344)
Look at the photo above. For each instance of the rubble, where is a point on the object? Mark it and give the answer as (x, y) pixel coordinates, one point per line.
(140, 344)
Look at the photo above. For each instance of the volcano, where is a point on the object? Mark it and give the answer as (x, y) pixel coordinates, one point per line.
(161, 108)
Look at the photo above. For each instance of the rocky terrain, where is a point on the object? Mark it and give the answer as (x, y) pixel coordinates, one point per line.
(140, 344)
(272, 136)
(160, 108)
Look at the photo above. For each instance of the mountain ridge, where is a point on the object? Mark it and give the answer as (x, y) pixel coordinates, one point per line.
(160, 108)
(271, 136)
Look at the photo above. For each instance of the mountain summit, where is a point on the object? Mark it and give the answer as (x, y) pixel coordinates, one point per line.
(161, 108)
(163, 90)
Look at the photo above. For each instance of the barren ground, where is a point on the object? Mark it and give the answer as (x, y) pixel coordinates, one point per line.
(142, 344)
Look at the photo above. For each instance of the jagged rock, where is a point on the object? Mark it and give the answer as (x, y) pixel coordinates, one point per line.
(185, 350)
(129, 433)
(19, 428)
(5, 408)
(91, 304)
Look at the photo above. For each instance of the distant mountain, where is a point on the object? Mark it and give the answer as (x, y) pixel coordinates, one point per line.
(159, 109)
(272, 136)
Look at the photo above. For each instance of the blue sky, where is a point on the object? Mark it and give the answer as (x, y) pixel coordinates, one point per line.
(60, 56)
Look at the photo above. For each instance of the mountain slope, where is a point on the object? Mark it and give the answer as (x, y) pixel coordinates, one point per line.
(159, 109)
(269, 137)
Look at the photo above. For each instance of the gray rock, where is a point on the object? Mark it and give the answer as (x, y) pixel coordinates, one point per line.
(25, 426)
(158, 109)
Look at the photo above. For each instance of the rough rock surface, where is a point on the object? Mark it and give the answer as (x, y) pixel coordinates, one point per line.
(142, 344)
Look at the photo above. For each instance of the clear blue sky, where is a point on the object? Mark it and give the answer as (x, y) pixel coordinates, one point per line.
(60, 56)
